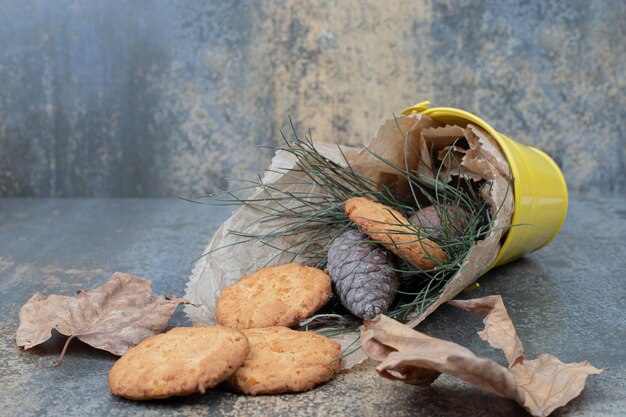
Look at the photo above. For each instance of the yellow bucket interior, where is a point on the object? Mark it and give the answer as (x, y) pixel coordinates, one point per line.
(539, 189)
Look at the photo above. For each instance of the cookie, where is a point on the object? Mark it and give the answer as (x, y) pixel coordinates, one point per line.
(284, 360)
(281, 295)
(182, 361)
(388, 226)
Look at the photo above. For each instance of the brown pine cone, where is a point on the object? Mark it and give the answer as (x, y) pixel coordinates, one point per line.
(428, 219)
(363, 274)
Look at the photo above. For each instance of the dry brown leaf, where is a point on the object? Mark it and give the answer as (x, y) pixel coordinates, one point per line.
(113, 317)
(499, 330)
(539, 385)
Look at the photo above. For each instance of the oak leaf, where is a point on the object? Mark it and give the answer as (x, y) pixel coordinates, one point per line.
(114, 317)
(540, 385)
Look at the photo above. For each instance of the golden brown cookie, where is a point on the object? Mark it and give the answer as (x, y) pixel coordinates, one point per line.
(394, 231)
(281, 295)
(285, 360)
(180, 362)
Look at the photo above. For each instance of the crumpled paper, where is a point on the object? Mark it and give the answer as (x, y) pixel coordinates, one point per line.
(540, 385)
(412, 142)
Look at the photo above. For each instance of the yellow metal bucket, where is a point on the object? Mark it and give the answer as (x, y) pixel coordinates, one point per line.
(539, 188)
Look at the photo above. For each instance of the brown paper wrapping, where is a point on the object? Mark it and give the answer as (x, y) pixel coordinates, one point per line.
(406, 141)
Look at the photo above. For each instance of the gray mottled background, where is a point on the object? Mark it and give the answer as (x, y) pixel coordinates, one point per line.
(138, 98)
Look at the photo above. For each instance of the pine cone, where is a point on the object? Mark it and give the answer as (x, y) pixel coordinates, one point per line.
(363, 274)
(428, 219)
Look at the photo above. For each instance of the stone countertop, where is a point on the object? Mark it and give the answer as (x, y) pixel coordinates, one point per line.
(568, 299)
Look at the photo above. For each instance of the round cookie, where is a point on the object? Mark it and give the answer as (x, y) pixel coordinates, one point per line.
(389, 227)
(281, 295)
(285, 360)
(182, 361)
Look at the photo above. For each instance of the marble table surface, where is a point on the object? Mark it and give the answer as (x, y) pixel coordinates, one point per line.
(568, 299)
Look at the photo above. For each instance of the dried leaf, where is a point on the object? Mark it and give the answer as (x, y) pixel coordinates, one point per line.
(549, 383)
(539, 385)
(499, 331)
(113, 317)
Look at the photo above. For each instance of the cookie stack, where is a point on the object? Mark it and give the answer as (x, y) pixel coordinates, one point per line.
(252, 350)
